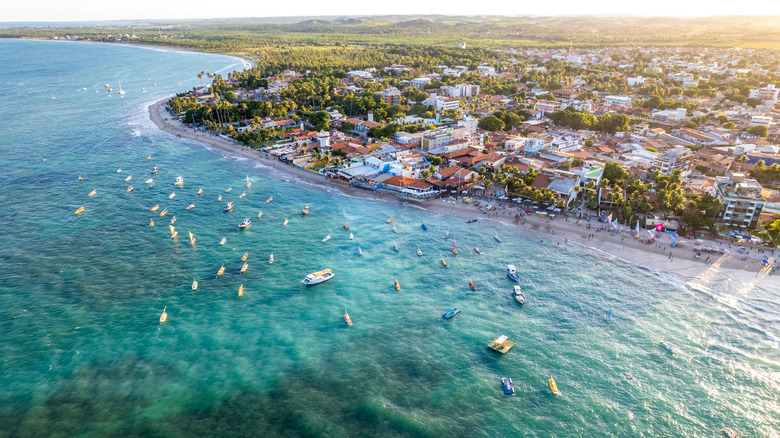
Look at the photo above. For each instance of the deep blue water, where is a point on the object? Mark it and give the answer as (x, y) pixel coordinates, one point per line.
(83, 352)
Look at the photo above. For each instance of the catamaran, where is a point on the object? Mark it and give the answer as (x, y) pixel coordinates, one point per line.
(179, 181)
(149, 181)
(511, 271)
(318, 277)
(130, 189)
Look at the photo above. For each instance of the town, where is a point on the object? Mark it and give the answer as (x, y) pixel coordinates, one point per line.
(677, 136)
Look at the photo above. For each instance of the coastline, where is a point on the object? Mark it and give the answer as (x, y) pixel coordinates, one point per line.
(698, 273)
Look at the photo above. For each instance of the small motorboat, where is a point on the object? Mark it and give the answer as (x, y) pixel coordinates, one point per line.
(119, 171)
(395, 230)
(730, 433)
(221, 271)
(155, 208)
(243, 257)
(498, 239)
(518, 294)
(395, 247)
(471, 285)
(318, 277)
(397, 285)
(164, 316)
(244, 267)
(151, 223)
(667, 346)
(200, 191)
(222, 242)
(241, 291)
(179, 181)
(443, 262)
(149, 181)
(451, 313)
(360, 251)
(268, 201)
(424, 227)
(477, 250)
(128, 178)
(228, 207)
(351, 236)
(419, 253)
(151, 185)
(164, 212)
(286, 221)
(271, 258)
(629, 377)
(471, 221)
(194, 284)
(512, 273)
(326, 238)
(346, 227)
(506, 382)
(228, 190)
(93, 193)
(553, 386)
(609, 314)
(130, 189)
(190, 207)
(246, 223)
(154, 170)
(219, 198)
(173, 220)
(305, 211)
(241, 195)
(259, 215)
(346, 317)
(389, 220)
(80, 210)
(172, 195)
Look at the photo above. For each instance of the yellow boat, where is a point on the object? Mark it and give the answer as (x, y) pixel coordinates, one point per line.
(151, 223)
(79, 177)
(221, 271)
(222, 242)
(397, 286)
(194, 284)
(155, 208)
(389, 220)
(130, 189)
(245, 267)
(248, 184)
(93, 193)
(553, 386)
(164, 212)
(285, 222)
(148, 158)
(80, 210)
(443, 262)
(192, 238)
(200, 192)
(164, 316)
(246, 254)
(241, 291)
(220, 198)
(228, 189)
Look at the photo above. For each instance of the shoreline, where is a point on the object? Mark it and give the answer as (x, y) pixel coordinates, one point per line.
(558, 232)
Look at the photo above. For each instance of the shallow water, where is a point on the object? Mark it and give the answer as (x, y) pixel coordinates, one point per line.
(84, 354)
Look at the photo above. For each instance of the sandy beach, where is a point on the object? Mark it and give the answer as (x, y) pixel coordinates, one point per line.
(659, 256)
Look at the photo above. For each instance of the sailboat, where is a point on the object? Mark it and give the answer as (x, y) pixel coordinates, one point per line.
(471, 285)
(222, 242)
(93, 193)
(200, 192)
(346, 317)
(419, 253)
(246, 254)
(174, 233)
(173, 220)
(221, 271)
(121, 92)
(248, 184)
(259, 215)
(192, 238)
(454, 251)
(151, 223)
(285, 222)
(241, 291)
(245, 267)
(164, 316)
(397, 286)
(194, 284)
(220, 198)
(447, 234)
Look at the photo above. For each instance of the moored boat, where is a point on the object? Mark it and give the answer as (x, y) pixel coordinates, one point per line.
(477, 250)
(326, 238)
(397, 285)
(246, 254)
(244, 267)
(164, 316)
(93, 193)
(318, 277)
(305, 211)
(517, 293)
(419, 253)
(128, 178)
(553, 386)
(221, 270)
(346, 317)
(79, 210)
(179, 181)
(246, 223)
(190, 207)
(268, 201)
(351, 236)
(259, 215)
(228, 207)
(512, 272)
(241, 291)
(451, 313)
(471, 285)
(194, 284)
(498, 239)
(222, 242)
(506, 382)
(667, 346)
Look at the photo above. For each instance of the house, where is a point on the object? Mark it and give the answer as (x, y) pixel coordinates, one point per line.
(676, 158)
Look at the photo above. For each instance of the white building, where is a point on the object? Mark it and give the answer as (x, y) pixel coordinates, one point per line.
(767, 94)
(420, 83)
(760, 120)
(618, 100)
(486, 69)
(742, 200)
(461, 90)
(636, 80)
(676, 158)
(360, 74)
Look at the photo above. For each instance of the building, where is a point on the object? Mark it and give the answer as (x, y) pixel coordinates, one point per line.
(742, 200)
(618, 100)
(760, 120)
(461, 90)
(359, 74)
(420, 83)
(390, 95)
(676, 158)
(547, 106)
(767, 94)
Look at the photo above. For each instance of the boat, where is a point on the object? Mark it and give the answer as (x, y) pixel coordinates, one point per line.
(151, 223)
(389, 220)
(346, 317)
(451, 313)
(194, 284)
(498, 239)
(173, 220)
(471, 285)
(190, 207)
(221, 271)
(248, 184)
(151, 185)
(93, 193)
(228, 189)
(471, 221)
(244, 267)
(318, 277)
(424, 227)
(512, 272)
(506, 382)
(148, 158)
(285, 222)
(502, 344)
(730, 433)
(220, 198)
(553, 386)
(164, 212)
(241, 291)
(222, 242)
(259, 215)
(395, 246)
(80, 179)
(477, 250)
(149, 181)
(268, 201)
(192, 238)
(121, 92)
(454, 251)
(609, 314)
(665, 345)
(360, 251)
(174, 233)
(351, 236)
(326, 238)
(271, 258)
(443, 262)
(305, 211)
(172, 195)
(246, 223)
(228, 207)
(154, 170)
(179, 181)
(200, 191)
(346, 227)
(130, 189)
(419, 253)
(80, 210)
(244, 257)
(397, 285)
(164, 316)
(518, 294)
(128, 178)
(241, 195)
(119, 170)
(629, 377)
(395, 230)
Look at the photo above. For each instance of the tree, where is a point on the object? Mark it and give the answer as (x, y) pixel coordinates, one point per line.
(754, 101)
(491, 123)
(614, 172)
(759, 130)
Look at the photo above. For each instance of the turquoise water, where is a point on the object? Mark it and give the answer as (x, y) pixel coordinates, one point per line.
(83, 352)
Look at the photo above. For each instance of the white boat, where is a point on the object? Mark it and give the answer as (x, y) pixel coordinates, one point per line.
(194, 284)
(149, 181)
(119, 171)
(245, 224)
(190, 207)
(129, 178)
(518, 294)
(497, 238)
(241, 195)
(164, 316)
(172, 195)
(130, 189)
(259, 215)
(286, 221)
(326, 238)
(271, 259)
(93, 193)
(268, 201)
(222, 242)
(511, 271)
(419, 253)
(395, 246)
(192, 238)
(248, 184)
(179, 181)
(174, 233)
(351, 236)
(395, 230)
(360, 251)
(121, 91)
(173, 220)
(244, 267)
(318, 277)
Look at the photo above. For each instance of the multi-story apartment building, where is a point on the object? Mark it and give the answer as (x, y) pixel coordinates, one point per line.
(742, 200)
(767, 94)
(618, 100)
(461, 90)
(676, 158)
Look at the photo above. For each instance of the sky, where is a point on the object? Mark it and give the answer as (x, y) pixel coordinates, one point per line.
(96, 10)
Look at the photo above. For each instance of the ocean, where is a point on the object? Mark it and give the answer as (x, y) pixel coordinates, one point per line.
(83, 352)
